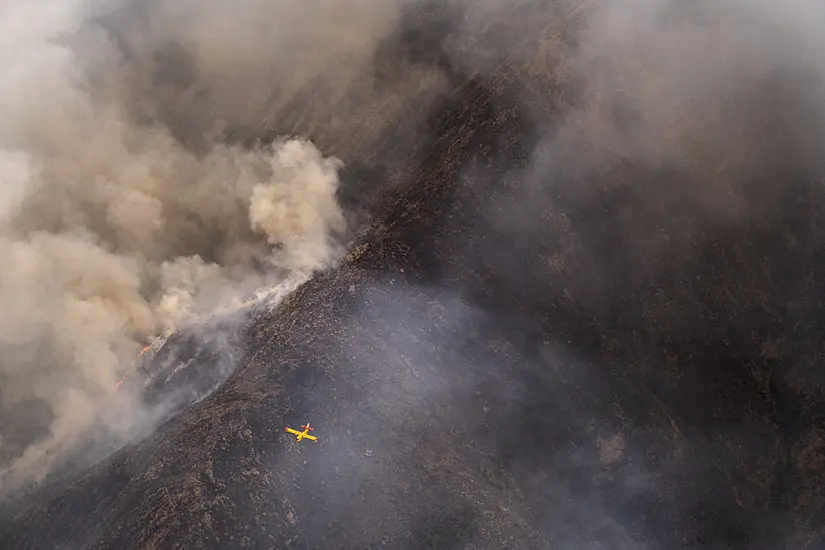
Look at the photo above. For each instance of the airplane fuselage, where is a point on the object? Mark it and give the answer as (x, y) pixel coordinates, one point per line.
(304, 434)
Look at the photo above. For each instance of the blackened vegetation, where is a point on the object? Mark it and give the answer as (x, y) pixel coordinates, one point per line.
(511, 358)
(190, 365)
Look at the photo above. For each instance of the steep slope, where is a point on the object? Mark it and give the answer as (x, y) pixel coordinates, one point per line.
(539, 341)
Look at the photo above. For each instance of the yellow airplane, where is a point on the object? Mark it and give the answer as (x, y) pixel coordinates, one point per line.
(304, 434)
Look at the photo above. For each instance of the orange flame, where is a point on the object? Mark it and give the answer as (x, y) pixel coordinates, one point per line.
(125, 376)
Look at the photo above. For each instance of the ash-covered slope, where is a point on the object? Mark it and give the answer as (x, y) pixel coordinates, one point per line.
(583, 321)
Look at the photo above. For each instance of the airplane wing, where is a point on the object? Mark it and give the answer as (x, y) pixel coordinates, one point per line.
(296, 432)
(312, 437)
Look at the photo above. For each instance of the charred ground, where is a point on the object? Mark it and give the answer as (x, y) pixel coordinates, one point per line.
(513, 354)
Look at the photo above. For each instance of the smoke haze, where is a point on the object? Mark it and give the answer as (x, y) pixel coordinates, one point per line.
(113, 231)
(149, 173)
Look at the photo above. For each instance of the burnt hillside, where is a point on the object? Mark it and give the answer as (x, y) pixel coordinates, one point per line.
(541, 338)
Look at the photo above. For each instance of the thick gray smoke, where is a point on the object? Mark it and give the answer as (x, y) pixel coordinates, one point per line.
(136, 195)
(123, 214)
(723, 103)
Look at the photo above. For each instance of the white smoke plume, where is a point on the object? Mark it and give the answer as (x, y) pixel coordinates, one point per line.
(124, 213)
(112, 231)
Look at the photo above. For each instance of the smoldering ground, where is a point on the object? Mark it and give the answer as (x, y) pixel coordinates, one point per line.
(426, 385)
(647, 231)
(658, 230)
(600, 369)
(656, 159)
